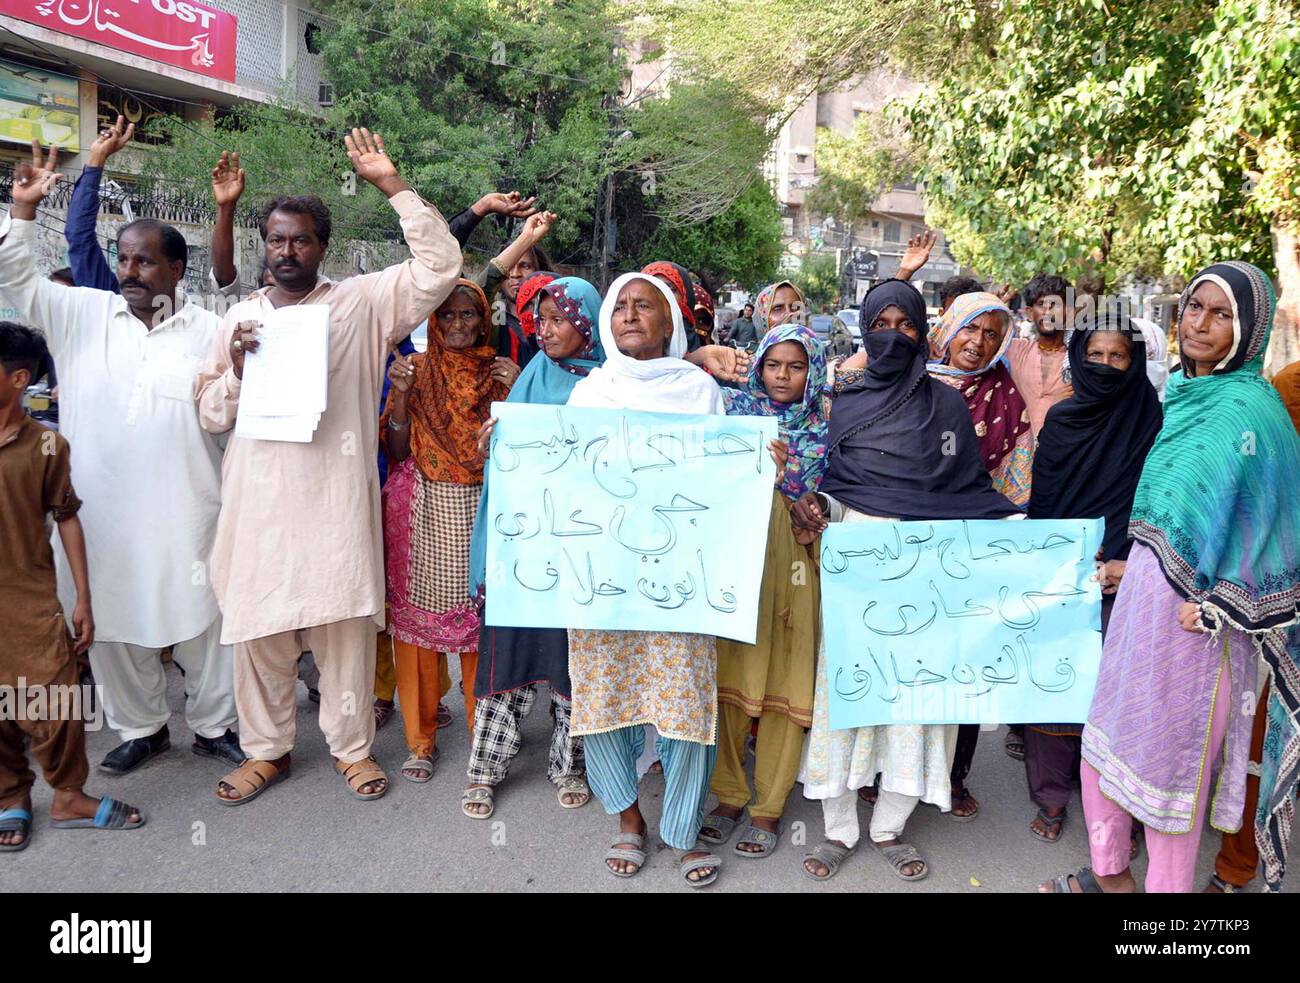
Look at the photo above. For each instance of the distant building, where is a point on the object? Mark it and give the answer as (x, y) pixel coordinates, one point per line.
(871, 250)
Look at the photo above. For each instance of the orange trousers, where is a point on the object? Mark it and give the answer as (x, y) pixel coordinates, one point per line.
(1238, 854)
(421, 681)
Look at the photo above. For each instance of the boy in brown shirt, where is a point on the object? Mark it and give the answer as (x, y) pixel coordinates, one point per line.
(38, 660)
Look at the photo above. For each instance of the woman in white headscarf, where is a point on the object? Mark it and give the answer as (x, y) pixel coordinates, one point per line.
(623, 680)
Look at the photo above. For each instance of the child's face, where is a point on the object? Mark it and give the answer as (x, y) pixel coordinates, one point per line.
(12, 386)
(785, 372)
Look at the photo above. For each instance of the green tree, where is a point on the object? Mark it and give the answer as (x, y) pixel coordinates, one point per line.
(742, 244)
(476, 96)
(853, 170)
(817, 278)
(282, 151)
(1123, 137)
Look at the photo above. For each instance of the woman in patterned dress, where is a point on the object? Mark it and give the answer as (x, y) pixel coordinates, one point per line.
(623, 680)
(436, 405)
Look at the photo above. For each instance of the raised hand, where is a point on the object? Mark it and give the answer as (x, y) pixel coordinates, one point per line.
(227, 179)
(1006, 293)
(512, 205)
(538, 226)
(32, 182)
(917, 253)
(110, 141)
(401, 373)
(370, 160)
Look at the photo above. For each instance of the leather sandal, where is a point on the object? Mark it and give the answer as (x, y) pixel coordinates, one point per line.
(251, 779)
(359, 774)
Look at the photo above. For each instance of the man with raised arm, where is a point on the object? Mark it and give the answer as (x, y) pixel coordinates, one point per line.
(149, 476)
(299, 551)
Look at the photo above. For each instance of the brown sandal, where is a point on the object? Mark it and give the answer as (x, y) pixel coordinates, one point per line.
(251, 779)
(360, 773)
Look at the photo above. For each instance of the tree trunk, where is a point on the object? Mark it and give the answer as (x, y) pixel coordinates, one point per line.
(1284, 348)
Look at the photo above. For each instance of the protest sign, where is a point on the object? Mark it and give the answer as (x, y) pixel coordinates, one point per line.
(625, 520)
(956, 621)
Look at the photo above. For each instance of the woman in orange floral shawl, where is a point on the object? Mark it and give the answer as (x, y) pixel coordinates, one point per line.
(436, 405)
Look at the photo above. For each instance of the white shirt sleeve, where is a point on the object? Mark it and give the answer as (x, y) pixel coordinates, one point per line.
(55, 309)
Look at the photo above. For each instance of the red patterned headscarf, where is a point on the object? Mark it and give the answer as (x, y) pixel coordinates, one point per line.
(524, 297)
(681, 284)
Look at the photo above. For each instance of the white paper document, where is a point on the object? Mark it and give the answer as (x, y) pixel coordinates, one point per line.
(287, 379)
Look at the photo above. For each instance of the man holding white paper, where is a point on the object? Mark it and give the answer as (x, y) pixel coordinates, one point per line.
(299, 551)
(149, 476)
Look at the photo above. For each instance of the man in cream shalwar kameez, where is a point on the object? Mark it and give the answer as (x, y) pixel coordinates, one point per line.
(299, 551)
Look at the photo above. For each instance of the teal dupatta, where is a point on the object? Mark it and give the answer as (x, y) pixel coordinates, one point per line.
(1219, 504)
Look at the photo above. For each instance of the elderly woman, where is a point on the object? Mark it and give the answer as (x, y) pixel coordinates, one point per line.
(1087, 465)
(892, 456)
(1211, 583)
(623, 680)
(972, 339)
(429, 432)
(973, 336)
(514, 660)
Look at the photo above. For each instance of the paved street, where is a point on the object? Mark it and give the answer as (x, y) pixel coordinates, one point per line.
(308, 834)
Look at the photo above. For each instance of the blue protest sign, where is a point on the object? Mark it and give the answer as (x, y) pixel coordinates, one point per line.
(980, 621)
(624, 520)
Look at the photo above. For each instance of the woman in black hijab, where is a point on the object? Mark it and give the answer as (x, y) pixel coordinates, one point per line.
(902, 446)
(1089, 459)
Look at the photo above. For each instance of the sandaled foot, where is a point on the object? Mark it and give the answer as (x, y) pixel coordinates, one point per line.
(825, 860)
(1047, 827)
(699, 868)
(625, 856)
(905, 859)
(965, 806)
(15, 828)
(1015, 745)
(86, 812)
(1217, 885)
(365, 779)
(759, 841)
(250, 780)
(418, 768)
(720, 824)
(572, 792)
(1084, 881)
(444, 717)
(476, 802)
(869, 794)
(383, 710)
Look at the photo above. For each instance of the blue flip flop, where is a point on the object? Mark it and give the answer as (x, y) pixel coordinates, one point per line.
(16, 821)
(110, 815)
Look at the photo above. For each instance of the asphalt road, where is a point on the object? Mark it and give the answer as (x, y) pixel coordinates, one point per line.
(308, 834)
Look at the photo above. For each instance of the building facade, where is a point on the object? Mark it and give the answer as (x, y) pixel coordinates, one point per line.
(871, 250)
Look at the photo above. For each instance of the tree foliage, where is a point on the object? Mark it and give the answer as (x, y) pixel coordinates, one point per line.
(853, 170)
(1120, 138)
(741, 244)
(817, 278)
(282, 151)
